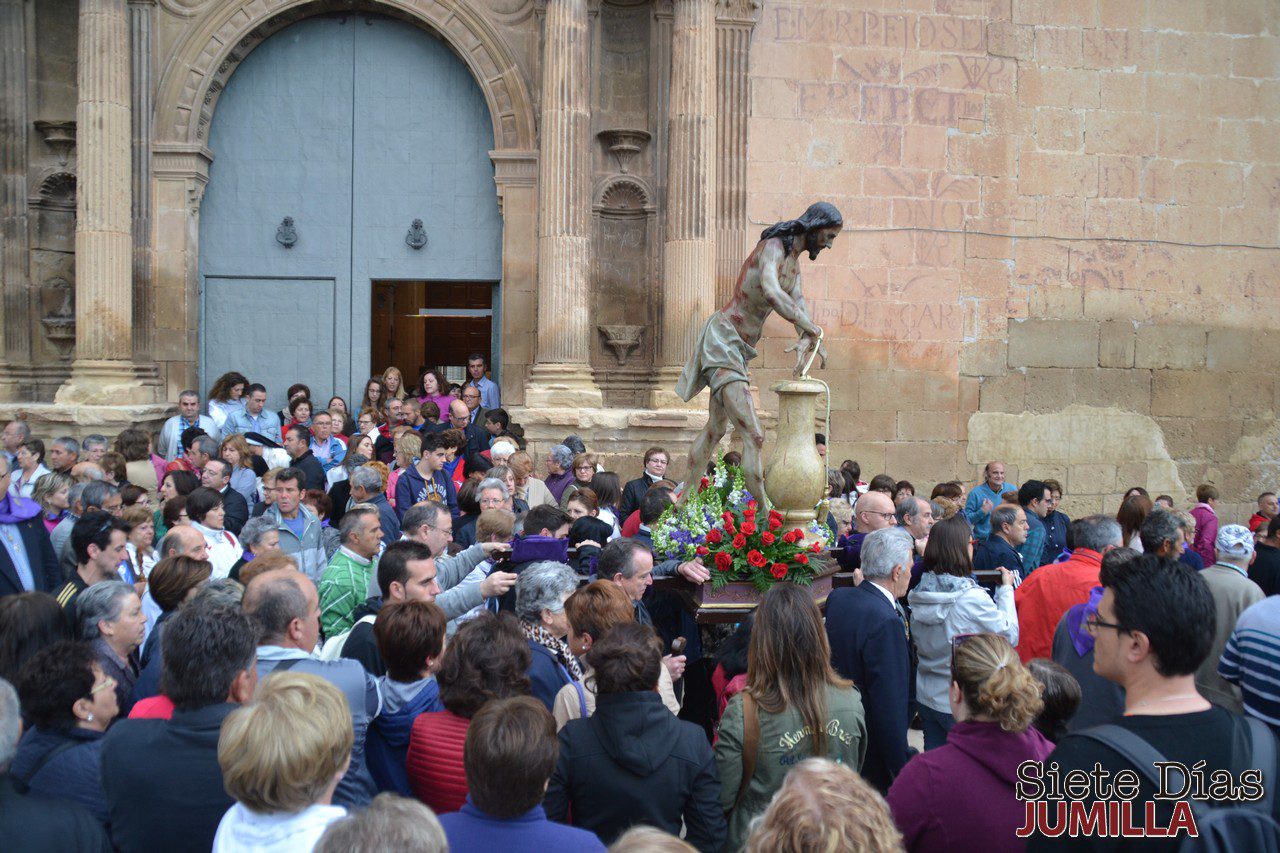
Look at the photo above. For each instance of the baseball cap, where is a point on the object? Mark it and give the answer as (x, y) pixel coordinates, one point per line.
(1234, 540)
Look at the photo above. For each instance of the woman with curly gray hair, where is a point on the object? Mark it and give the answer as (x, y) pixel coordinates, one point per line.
(540, 595)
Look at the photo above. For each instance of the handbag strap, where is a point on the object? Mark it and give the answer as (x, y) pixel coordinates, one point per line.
(45, 759)
(750, 744)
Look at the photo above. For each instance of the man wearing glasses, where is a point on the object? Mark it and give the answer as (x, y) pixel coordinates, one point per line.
(462, 416)
(873, 511)
(1153, 627)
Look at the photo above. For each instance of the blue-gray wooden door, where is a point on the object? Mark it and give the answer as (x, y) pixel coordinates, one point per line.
(353, 127)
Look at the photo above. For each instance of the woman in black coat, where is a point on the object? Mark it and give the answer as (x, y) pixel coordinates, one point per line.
(632, 762)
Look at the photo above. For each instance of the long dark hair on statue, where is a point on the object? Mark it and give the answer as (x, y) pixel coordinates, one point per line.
(820, 214)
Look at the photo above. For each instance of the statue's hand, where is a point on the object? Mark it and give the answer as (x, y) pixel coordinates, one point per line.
(803, 348)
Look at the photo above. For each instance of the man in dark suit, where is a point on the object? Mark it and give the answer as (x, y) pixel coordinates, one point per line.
(655, 468)
(27, 560)
(161, 777)
(217, 476)
(1008, 532)
(870, 645)
(477, 436)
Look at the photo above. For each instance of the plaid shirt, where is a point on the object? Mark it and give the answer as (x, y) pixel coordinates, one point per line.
(343, 586)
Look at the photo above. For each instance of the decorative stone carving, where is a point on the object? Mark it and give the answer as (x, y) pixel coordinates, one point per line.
(622, 339)
(624, 145)
(58, 135)
(624, 196)
(286, 234)
(184, 8)
(56, 192)
(417, 236)
(60, 324)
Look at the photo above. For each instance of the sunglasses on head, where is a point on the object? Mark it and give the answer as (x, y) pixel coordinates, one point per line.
(956, 642)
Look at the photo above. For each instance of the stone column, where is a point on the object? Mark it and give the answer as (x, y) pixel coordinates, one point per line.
(689, 255)
(102, 373)
(733, 240)
(141, 15)
(15, 268)
(562, 377)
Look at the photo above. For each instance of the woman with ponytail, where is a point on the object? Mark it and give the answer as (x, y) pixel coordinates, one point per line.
(962, 796)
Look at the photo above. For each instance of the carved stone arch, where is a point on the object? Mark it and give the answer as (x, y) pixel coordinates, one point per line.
(208, 55)
(623, 195)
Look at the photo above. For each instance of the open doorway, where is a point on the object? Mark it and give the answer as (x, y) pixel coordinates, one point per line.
(419, 325)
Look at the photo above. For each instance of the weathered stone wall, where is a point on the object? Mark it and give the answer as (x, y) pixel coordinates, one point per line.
(1049, 207)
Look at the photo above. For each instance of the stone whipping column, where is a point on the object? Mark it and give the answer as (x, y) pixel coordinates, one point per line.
(561, 375)
(689, 254)
(15, 270)
(103, 373)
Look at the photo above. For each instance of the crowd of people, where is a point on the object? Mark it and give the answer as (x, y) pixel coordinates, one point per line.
(389, 627)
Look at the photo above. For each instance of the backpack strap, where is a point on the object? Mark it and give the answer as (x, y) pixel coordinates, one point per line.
(750, 744)
(1132, 748)
(1264, 758)
(582, 698)
(286, 665)
(45, 759)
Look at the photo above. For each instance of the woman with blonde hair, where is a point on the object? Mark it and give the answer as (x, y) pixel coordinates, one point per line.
(825, 806)
(965, 790)
(393, 383)
(282, 756)
(529, 488)
(794, 707)
(236, 453)
(51, 492)
(408, 449)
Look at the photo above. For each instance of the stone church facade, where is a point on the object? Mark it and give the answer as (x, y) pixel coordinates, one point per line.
(1062, 216)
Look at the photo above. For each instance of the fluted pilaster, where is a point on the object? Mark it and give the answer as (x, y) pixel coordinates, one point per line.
(733, 241)
(689, 254)
(14, 126)
(103, 370)
(140, 27)
(561, 375)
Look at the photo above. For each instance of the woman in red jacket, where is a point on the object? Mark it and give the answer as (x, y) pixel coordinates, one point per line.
(487, 659)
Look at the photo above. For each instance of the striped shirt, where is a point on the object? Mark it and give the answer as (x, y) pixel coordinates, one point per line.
(67, 598)
(1252, 659)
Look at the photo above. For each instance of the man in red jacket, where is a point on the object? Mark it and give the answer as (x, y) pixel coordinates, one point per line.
(1051, 590)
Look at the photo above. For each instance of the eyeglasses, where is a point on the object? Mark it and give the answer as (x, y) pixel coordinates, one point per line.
(442, 531)
(887, 516)
(956, 642)
(1093, 623)
(107, 683)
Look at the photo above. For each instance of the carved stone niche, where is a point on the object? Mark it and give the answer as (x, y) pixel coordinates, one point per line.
(623, 288)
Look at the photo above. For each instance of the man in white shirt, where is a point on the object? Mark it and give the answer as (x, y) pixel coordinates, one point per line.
(170, 446)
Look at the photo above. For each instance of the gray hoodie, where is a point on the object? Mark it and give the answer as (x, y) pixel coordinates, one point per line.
(943, 607)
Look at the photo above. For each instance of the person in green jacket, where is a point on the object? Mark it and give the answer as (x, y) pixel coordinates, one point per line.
(345, 583)
(800, 706)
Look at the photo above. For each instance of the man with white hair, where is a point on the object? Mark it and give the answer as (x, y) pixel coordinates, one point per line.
(1233, 593)
(36, 823)
(871, 645)
(15, 432)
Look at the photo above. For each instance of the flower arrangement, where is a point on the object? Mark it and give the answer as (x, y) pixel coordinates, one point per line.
(722, 524)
